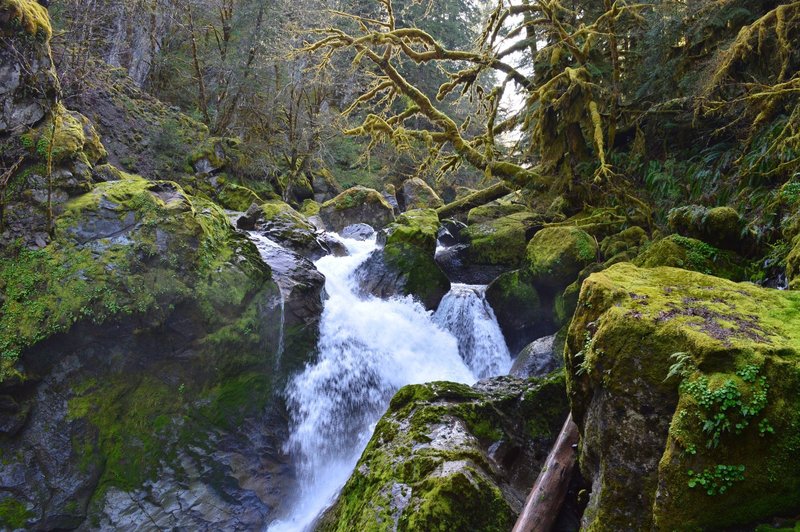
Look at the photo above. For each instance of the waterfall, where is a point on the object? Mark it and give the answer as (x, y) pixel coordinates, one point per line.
(465, 312)
(368, 349)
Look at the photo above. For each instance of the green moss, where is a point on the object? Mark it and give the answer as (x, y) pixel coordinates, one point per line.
(720, 226)
(30, 16)
(237, 198)
(355, 196)
(556, 255)
(629, 239)
(501, 241)
(492, 211)
(409, 249)
(170, 251)
(717, 357)
(445, 488)
(309, 208)
(14, 514)
(690, 254)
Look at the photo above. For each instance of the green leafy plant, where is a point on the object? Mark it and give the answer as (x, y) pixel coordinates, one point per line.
(716, 480)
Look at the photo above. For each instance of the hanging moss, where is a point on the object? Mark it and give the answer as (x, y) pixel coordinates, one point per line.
(30, 16)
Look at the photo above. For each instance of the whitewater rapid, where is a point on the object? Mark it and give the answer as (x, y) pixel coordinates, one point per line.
(368, 349)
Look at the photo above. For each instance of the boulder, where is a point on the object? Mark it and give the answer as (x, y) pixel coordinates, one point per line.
(502, 241)
(540, 357)
(356, 205)
(143, 348)
(719, 226)
(324, 186)
(691, 254)
(236, 197)
(492, 211)
(447, 456)
(686, 390)
(627, 240)
(286, 226)
(556, 255)
(520, 312)
(417, 194)
(405, 264)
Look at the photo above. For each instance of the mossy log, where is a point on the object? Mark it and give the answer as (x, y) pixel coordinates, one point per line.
(477, 199)
(547, 495)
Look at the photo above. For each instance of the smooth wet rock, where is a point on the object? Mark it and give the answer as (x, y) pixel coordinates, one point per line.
(283, 224)
(538, 358)
(358, 232)
(521, 312)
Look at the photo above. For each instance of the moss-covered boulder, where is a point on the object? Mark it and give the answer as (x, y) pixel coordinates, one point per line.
(691, 254)
(627, 240)
(520, 312)
(417, 194)
(555, 256)
(236, 197)
(501, 241)
(429, 465)
(280, 222)
(686, 390)
(405, 265)
(356, 205)
(492, 211)
(140, 349)
(719, 226)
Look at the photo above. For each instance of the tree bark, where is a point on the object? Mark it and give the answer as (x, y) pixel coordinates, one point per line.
(547, 496)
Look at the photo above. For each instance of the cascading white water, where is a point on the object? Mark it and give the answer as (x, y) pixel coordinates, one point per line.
(465, 312)
(279, 259)
(368, 349)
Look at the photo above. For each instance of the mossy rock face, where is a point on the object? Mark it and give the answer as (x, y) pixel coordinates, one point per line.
(492, 211)
(27, 79)
(567, 301)
(417, 194)
(406, 265)
(502, 241)
(521, 313)
(556, 255)
(356, 205)
(288, 227)
(690, 254)
(686, 390)
(237, 198)
(136, 348)
(427, 466)
(719, 226)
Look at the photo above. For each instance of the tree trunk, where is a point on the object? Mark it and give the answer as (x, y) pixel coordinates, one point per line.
(547, 496)
(475, 199)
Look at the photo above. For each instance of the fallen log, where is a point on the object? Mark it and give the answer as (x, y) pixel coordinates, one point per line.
(545, 499)
(476, 199)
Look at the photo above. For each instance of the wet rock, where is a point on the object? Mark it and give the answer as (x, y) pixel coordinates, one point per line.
(539, 358)
(521, 313)
(358, 232)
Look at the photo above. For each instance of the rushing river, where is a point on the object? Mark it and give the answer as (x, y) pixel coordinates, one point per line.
(368, 349)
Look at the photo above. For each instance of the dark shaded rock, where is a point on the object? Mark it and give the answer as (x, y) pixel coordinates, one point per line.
(145, 362)
(522, 315)
(501, 242)
(721, 227)
(249, 219)
(286, 226)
